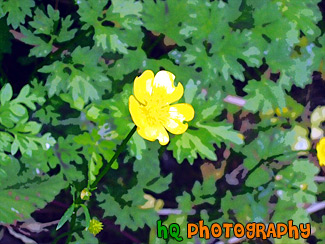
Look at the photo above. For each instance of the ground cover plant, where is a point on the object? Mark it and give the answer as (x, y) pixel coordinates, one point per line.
(94, 148)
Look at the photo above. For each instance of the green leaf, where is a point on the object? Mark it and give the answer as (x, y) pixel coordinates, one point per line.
(305, 14)
(66, 216)
(269, 21)
(274, 140)
(22, 192)
(30, 97)
(190, 91)
(47, 115)
(87, 215)
(133, 217)
(5, 141)
(127, 7)
(27, 141)
(95, 164)
(5, 94)
(65, 155)
(148, 178)
(211, 51)
(187, 145)
(223, 133)
(203, 131)
(303, 66)
(47, 26)
(259, 177)
(300, 172)
(264, 96)
(81, 79)
(42, 23)
(14, 147)
(66, 33)
(249, 207)
(95, 151)
(4, 160)
(18, 110)
(113, 38)
(299, 66)
(93, 113)
(167, 14)
(84, 237)
(14, 116)
(17, 11)
(41, 49)
(203, 193)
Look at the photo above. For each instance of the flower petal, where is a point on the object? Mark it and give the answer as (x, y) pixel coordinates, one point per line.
(179, 113)
(143, 86)
(153, 132)
(320, 148)
(163, 86)
(136, 112)
(145, 129)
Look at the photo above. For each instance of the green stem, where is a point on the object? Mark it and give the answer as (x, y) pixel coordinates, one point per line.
(66, 233)
(109, 164)
(155, 44)
(77, 202)
(93, 186)
(73, 223)
(246, 189)
(261, 162)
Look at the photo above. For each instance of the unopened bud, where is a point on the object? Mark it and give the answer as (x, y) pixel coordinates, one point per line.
(85, 194)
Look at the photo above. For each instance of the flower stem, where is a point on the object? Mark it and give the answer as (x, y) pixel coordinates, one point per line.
(93, 186)
(109, 164)
(65, 234)
(72, 225)
(269, 159)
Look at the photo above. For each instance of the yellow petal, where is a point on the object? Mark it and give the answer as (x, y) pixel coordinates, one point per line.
(143, 86)
(136, 112)
(320, 148)
(163, 86)
(178, 113)
(153, 132)
(146, 129)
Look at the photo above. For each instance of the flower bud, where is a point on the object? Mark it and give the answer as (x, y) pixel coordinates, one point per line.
(85, 194)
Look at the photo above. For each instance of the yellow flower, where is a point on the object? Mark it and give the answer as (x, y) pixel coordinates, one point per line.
(151, 108)
(85, 194)
(95, 226)
(320, 148)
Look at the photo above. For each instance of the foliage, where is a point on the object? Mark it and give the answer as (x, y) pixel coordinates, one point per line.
(46, 26)
(66, 77)
(19, 196)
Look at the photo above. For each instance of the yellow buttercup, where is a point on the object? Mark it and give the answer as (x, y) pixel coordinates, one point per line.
(320, 148)
(151, 106)
(95, 226)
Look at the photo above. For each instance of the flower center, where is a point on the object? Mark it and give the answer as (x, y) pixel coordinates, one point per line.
(156, 110)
